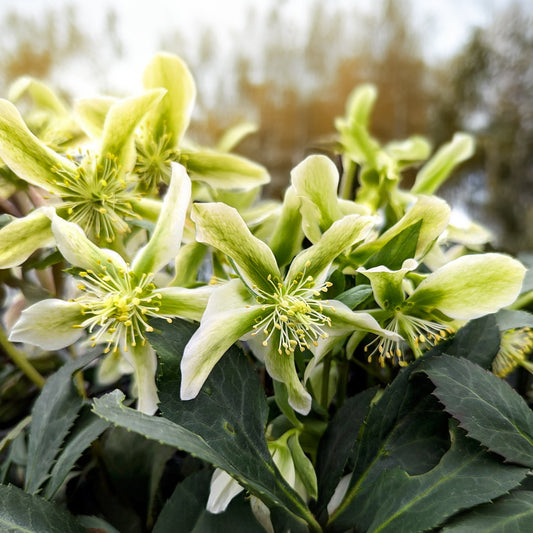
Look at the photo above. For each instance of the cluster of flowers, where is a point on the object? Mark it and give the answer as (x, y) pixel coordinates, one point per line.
(153, 225)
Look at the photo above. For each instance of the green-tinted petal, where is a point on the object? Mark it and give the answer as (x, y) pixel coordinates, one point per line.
(471, 286)
(228, 317)
(360, 103)
(235, 135)
(23, 236)
(223, 489)
(172, 115)
(119, 127)
(187, 264)
(222, 227)
(186, 303)
(147, 208)
(26, 155)
(387, 284)
(342, 234)
(286, 240)
(165, 240)
(222, 170)
(281, 368)
(316, 180)
(91, 113)
(410, 151)
(42, 95)
(79, 251)
(440, 166)
(144, 362)
(49, 324)
(434, 214)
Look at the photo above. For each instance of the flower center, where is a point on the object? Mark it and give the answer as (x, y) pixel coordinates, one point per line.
(420, 334)
(119, 303)
(153, 161)
(98, 198)
(293, 314)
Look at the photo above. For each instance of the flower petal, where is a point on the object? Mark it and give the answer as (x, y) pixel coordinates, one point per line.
(222, 490)
(315, 260)
(440, 166)
(287, 237)
(222, 170)
(165, 240)
(471, 286)
(316, 180)
(21, 237)
(26, 155)
(186, 303)
(120, 124)
(227, 318)
(434, 214)
(91, 113)
(221, 226)
(387, 284)
(281, 367)
(79, 251)
(49, 324)
(42, 95)
(144, 362)
(233, 136)
(172, 115)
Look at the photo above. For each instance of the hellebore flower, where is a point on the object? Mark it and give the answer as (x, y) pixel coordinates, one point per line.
(117, 300)
(96, 191)
(162, 131)
(468, 287)
(286, 312)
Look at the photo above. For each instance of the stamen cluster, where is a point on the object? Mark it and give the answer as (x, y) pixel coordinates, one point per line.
(516, 345)
(98, 198)
(293, 313)
(118, 302)
(421, 334)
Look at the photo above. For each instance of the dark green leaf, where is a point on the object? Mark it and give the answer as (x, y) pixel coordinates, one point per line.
(24, 513)
(185, 511)
(398, 249)
(53, 414)
(512, 513)
(508, 319)
(478, 341)
(397, 502)
(338, 443)
(85, 431)
(406, 427)
(98, 525)
(355, 296)
(229, 414)
(485, 405)
(214, 443)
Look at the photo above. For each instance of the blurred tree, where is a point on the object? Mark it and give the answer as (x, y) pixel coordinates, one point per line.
(490, 93)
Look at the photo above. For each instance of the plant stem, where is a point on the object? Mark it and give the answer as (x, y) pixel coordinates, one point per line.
(20, 359)
(346, 185)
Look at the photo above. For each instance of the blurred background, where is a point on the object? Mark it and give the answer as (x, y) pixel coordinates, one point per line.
(440, 66)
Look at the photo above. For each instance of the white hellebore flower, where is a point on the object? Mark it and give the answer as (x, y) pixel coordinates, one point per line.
(117, 300)
(287, 312)
(468, 287)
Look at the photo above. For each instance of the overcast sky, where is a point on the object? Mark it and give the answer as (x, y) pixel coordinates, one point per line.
(444, 25)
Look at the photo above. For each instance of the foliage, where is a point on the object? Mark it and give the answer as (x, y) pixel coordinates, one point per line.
(207, 359)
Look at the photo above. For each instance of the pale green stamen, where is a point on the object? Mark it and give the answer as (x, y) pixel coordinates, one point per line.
(119, 304)
(153, 161)
(98, 198)
(419, 333)
(293, 313)
(516, 345)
